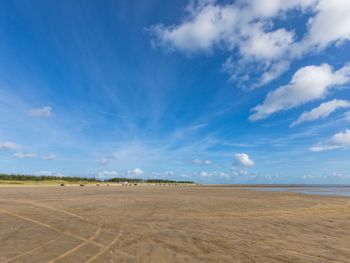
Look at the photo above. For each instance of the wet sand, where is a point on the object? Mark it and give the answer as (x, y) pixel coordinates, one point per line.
(171, 224)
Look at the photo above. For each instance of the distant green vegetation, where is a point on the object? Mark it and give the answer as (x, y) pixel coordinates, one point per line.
(153, 181)
(161, 181)
(19, 177)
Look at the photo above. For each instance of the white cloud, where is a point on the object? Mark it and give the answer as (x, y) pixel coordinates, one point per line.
(273, 72)
(308, 83)
(331, 24)
(322, 111)
(135, 172)
(261, 45)
(347, 116)
(216, 174)
(49, 173)
(41, 112)
(250, 31)
(21, 155)
(231, 27)
(107, 174)
(49, 157)
(199, 161)
(207, 26)
(271, 8)
(8, 145)
(340, 140)
(241, 164)
(242, 159)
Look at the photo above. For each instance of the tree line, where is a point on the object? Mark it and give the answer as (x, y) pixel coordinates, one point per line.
(20, 177)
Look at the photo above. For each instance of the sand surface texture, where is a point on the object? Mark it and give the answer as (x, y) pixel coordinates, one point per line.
(170, 224)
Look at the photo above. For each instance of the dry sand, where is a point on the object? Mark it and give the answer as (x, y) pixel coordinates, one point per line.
(170, 224)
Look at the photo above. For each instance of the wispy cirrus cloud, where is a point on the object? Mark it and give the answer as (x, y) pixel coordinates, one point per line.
(49, 157)
(340, 140)
(201, 162)
(49, 173)
(41, 112)
(9, 146)
(20, 155)
(322, 111)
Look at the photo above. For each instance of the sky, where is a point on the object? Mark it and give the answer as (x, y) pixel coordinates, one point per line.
(210, 91)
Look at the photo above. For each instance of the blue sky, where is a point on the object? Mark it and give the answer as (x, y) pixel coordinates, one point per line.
(211, 91)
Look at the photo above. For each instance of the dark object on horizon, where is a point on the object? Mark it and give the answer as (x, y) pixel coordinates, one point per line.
(19, 177)
(81, 185)
(61, 184)
(98, 185)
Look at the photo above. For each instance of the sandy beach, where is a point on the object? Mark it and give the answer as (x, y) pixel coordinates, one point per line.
(171, 224)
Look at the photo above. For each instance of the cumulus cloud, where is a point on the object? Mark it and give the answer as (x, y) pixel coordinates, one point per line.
(241, 25)
(135, 172)
(243, 159)
(261, 45)
(232, 27)
(241, 164)
(249, 30)
(8, 146)
(340, 140)
(271, 8)
(21, 155)
(308, 83)
(206, 26)
(41, 112)
(49, 157)
(201, 162)
(331, 24)
(322, 111)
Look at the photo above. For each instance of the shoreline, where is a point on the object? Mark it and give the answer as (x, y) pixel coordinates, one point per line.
(273, 188)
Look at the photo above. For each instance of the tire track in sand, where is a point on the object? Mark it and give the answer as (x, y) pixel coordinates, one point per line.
(49, 227)
(105, 249)
(34, 249)
(48, 207)
(97, 232)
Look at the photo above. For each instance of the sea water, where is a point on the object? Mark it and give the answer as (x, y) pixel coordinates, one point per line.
(316, 190)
